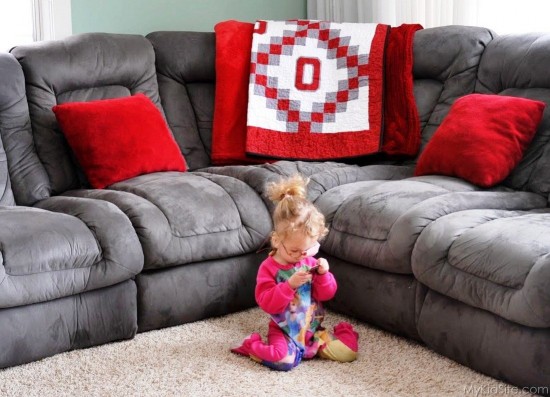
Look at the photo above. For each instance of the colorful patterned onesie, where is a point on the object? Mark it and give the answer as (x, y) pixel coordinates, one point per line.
(295, 330)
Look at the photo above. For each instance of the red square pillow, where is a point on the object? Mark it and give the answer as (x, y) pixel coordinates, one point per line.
(117, 139)
(482, 139)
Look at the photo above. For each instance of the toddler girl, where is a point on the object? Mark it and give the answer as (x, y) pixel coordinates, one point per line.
(291, 284)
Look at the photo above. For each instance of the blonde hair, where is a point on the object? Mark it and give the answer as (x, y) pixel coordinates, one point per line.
(293, 211)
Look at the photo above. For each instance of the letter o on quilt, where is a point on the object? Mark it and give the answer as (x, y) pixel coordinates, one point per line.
(118, 139)
(482, 139)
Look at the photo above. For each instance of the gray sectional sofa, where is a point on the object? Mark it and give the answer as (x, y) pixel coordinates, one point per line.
(462, 269)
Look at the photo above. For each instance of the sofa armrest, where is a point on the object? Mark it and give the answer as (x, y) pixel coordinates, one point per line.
(496, 260)
(408, 227)
(65, 247)
(111, 228)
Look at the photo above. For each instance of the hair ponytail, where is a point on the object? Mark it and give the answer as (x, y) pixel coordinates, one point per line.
(294, 186)
(293, 211)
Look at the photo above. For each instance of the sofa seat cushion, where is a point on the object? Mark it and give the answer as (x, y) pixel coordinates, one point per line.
(322, 175)
(46, 255)
(375, 224)
(189, 217)
(494, 260)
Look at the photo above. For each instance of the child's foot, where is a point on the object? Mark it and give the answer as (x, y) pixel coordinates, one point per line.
(347, 335)
(244, 348)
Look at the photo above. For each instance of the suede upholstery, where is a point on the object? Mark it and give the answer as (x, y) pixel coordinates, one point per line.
(66, 266)
(32, 332)
(513, 65)
(29, 180)
(397, 212)
(485, 342)
(184, 218)
(92, 250)
(180, 218)
(459, 268)
(445, 72)
(81, 68)
(186, 77)
(199, 290)
(496, 260)
(7, 87)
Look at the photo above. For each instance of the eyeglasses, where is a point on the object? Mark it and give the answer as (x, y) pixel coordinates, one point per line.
(298, 254)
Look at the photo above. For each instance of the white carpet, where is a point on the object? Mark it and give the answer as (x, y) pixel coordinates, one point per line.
(194, 360)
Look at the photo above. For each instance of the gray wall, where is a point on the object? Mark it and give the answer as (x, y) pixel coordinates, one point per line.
(145, 16)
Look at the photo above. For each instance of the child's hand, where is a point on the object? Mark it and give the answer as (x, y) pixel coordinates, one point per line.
(299, 278)
(323, 266)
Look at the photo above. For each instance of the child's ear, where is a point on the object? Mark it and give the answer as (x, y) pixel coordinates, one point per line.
(275, 240)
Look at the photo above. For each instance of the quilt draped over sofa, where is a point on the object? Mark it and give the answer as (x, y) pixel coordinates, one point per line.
(313, 90)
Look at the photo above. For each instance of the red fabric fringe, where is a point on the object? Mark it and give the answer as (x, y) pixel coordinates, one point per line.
(402, 125)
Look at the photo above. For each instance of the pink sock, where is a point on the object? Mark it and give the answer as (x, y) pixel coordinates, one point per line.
(244, 348)
(346, 334)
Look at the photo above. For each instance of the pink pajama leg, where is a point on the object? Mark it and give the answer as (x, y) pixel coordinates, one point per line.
(280, 352)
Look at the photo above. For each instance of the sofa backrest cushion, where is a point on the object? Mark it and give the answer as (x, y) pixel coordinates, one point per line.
(445, 68)
(6, 195)
(6, 96)
(446, 60)
(517, 65)
(80, 68)
(186, 78)
(29, 181)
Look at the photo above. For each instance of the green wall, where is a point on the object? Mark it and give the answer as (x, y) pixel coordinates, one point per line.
(145, 16)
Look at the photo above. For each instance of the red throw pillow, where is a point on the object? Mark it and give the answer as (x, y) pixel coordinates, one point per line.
(117, 139)
(482, 139)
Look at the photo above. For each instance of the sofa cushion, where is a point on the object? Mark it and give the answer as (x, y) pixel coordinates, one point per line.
(446, 60)
(182, 218)
(494, 260)
(48, 255)
(322, 175)
(118, 139)
(514, 65)
(6, 195)
(482, 138)
(186, 77)
(80, 68)
(27, 175)
(376, 224)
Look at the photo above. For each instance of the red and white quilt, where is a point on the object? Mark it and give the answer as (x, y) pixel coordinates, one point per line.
(301, 111)
(316, 89)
